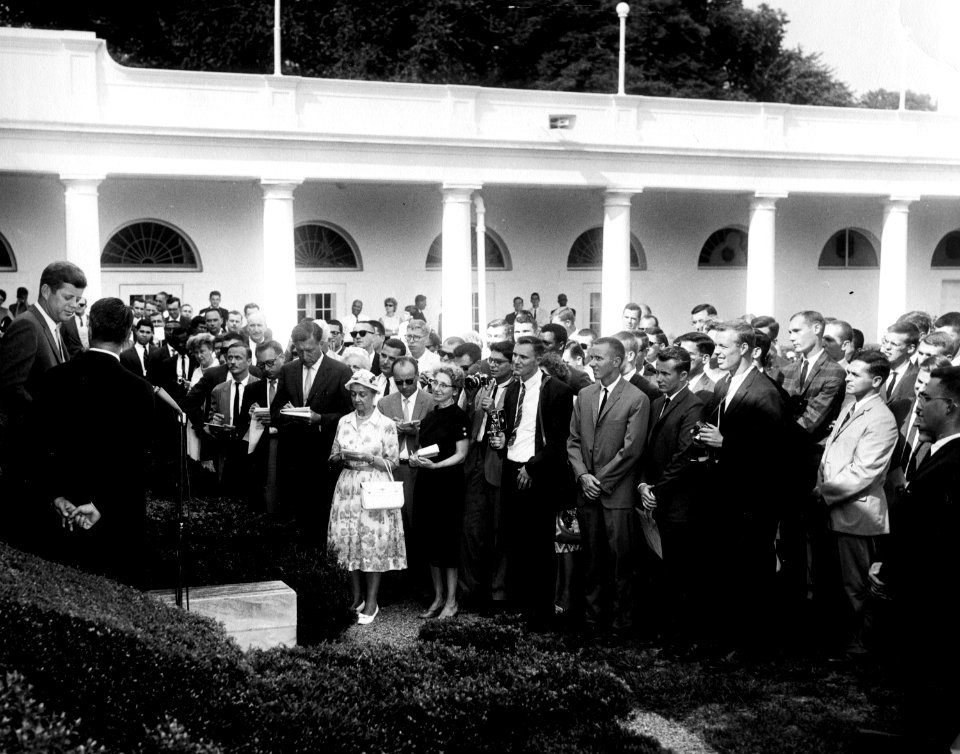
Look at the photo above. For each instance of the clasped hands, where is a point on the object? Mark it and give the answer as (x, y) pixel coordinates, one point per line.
(81, 516)
(647, 497)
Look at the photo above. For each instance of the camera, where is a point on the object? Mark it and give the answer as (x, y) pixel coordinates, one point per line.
(696, 430)
(475, 381)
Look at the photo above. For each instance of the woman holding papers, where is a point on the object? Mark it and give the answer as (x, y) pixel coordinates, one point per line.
(440, 488)
(367, 542)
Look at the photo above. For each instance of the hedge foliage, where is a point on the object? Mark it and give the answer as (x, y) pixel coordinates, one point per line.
(138, 676)
(226, 543)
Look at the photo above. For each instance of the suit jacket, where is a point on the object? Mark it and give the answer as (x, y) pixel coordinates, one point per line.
(578, 379)
(816, 403)
(704, 389)
(903, 395)
(646, 387)
(391, 406)
(753, 431)
(548, 466)
(609, 444)
(27, 351)
(220, 399)
(492, 461)
(920, 564)
(102, 397)
(328, 397)
(195, 402)
(668, 461)
(162, 372)
(131, 359)
(854, 467)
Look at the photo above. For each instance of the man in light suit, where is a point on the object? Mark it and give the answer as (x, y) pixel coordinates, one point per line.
(671, 487)
(407, 406)
(228, 399)
(631, 368)
(850, 484)
(31, 345)
(319, 384)
(608, 430)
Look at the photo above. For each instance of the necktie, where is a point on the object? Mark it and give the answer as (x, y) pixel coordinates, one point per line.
(63, 356)
(913, 462)
(271, 391)
(846, 419)
(890, 384)
(307, 385)
(406, 409)
(236, 402)
(603, 402)
(663, 409)
(519, 416)
(386, 390)
(803, 376)
(183, 367)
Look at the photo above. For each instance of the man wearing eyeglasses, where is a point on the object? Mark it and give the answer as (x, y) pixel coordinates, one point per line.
(368, 335)
(416, 337)
(899, 344)
(850, 486)
(259, 395)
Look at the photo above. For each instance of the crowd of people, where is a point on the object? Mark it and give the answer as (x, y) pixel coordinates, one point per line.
(710, 490)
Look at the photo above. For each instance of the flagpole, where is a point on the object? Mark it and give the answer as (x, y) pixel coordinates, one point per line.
(622, 11)
(276, 38)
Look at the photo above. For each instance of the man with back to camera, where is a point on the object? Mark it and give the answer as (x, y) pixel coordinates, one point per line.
(318, 383)
(608, 431)
(31, 346)
(97, 498)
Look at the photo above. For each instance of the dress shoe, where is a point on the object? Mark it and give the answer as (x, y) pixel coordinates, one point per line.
(366, 620)
(359, 608)
(449, 612)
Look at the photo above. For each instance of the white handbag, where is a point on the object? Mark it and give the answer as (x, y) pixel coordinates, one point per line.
(381, 496)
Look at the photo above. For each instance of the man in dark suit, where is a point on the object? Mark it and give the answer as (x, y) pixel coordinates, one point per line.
(899, 344)
(700, 347)
(215, 306)
(535, 481)
(259, 395)
(814, 384)
(608, 430)
(227, 399)
(195, 402)
(171, 367)
(744, 432)
(920, 570)
(554, 337)
(31, 346)
(136, 357)
(672, 477)
(631, 368)
(318, 383)
(96, 501)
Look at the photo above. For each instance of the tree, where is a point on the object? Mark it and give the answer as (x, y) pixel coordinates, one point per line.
(884, 99)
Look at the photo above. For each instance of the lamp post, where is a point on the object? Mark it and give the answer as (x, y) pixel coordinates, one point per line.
(623, 10)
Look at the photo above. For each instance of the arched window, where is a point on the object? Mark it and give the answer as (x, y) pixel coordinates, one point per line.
(947, 253)
(849, 247)
(726, 247)
(145, 243)
(587, 252)
(496, 255)
(8, 262)
(325, 246)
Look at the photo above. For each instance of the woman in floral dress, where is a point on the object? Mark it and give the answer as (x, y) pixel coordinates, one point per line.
(367, 542)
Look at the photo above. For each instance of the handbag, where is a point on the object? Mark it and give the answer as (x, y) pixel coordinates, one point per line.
(381, 496)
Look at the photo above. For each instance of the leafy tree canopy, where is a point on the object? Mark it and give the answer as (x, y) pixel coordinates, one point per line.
(884, 99)
(714, 49)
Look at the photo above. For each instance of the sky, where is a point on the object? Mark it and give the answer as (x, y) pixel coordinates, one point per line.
(861, 39)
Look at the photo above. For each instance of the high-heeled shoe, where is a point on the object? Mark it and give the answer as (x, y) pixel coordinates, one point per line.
(431, 612)
(366, 620)
(359, 608)
(449, 612)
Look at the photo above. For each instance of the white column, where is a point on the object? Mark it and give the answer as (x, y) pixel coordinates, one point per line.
(761, 252)
(615, 274)
(456, 280)
(80, 199)
(279, 270)
(892, 298)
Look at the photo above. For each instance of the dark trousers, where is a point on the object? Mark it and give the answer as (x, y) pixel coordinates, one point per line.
(529, 525)
(682, 570)
(608, 538)
(482, 552)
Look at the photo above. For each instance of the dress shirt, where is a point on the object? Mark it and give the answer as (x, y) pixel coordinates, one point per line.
(349, 323)
(103, 350)
(309, 375)
(694, 384)
(735, 383)
(234, 386)
(525, 444)
(605, 391)
(629, 375)
(941, 442)
(83, 331)
(55, 330)
(142, 352)
(862, 402)
(428, 361)
(895, 375)
(811, 359)
(669, 399)
(407, 405)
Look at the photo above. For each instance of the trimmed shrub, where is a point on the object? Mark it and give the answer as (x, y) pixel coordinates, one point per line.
(500, 634)
(228, 544)
(118, 659)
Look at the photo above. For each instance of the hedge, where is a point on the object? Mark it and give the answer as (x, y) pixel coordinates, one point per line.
(227, 543)
(138, 676)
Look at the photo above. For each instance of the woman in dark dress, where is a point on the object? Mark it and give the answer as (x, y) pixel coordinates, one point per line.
(441, 486)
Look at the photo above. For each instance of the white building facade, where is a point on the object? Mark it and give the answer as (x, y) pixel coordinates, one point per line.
(304, 194)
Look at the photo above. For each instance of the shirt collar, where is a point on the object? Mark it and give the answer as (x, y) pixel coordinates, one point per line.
(535, 379)
(942, 441)
(46, 317)
(676, 392)
(609, 388)
(863, 401)
(813, 356)
(103, 350)
(629, 375)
